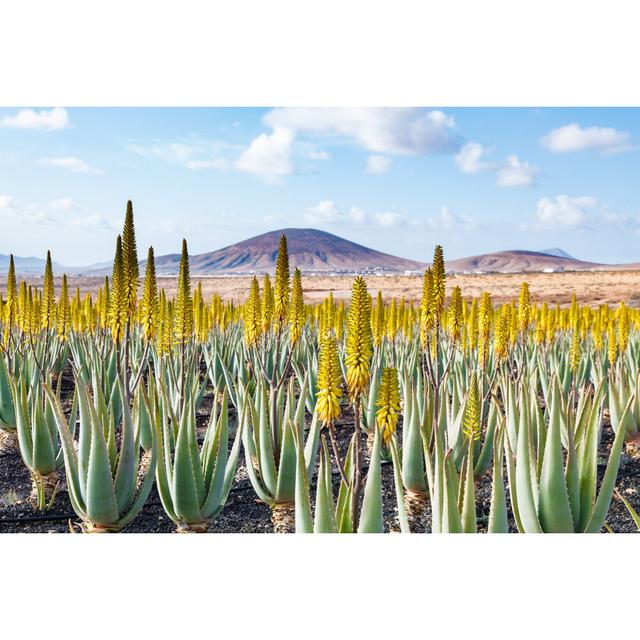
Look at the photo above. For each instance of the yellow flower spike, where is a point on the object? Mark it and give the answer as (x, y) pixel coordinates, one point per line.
(296, 309)
(392, 321)
(267, 303)
(472, 325)
(252, 316)
(439, 277)
(426, 307)
(48, 296)
(612, 342)
(501, 343)
(524, 308)
(63, 321)
(130, 268)
(575, 351)
(485, 316)
(454, 315)
(149, 301)
(117, 300)
(329, 380)
(359, 340)
(471, 422)
(183, 314)
(281, 291)
(388, 403)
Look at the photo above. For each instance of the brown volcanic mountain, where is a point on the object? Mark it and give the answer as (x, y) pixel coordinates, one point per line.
(310, 250)
(521, 261)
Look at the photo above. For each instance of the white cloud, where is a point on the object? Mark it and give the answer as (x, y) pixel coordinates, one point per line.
(55, 213)
(268, 155)
(193, 154)
(217, 164)
(7, 202)
(388, 218)
(318, 154)
(515, 173)
(63, 204)
(512, 172)
(76, 165)
(469, 158)
(447, 220)
(573, 137)
(326, 212)
(565, 212)
(45, 120)
(394, 131)
(399, 131)
(378, 165)
(94, 222)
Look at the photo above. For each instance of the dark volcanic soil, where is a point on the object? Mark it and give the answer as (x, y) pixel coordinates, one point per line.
(244, 513)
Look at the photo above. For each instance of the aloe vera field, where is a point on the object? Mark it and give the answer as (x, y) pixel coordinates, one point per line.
(131, 409)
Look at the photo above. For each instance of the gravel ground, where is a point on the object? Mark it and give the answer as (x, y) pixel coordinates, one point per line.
(244, 513)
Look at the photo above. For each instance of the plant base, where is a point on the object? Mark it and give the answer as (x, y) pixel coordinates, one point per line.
(194, 527)
(633, 447)
(143, 467)
(92, 527)
(49, 484)
(8, 441)
(283, 518)
(416, 507)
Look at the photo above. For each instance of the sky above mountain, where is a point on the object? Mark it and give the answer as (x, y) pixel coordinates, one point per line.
(396, 180)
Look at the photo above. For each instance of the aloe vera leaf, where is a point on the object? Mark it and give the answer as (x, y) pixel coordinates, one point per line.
(523, 468)
(325, 515)
(344, 513)
(25, 440)
(498, 517)
(102, 507)
(304, 523)
(371, 514)
(413, 468)
(267, 461)
(469, 516)
(451, 520)
(185, 491)
(216, 484)
(554, 506)
(285, 488)
(603, 501)
(126, 476)
(397, 480)
(44, 457)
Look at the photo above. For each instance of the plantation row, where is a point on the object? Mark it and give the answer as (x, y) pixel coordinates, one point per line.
(446, 390)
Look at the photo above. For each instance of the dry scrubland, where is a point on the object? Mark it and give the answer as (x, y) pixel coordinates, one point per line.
(593, 288)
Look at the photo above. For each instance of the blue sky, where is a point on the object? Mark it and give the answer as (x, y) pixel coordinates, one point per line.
(398, 180)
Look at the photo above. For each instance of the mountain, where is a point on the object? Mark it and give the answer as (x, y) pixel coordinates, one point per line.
(35, 267)
(310, 250)
(519, 261)
(26, 266)
(557, 252)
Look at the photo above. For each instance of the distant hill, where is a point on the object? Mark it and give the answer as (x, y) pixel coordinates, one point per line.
(26, 266)
(521, 261)
(557, 252)
(310, 250)
(35, 266)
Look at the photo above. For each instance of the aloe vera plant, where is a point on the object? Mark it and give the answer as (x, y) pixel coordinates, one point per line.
(193, 481)
(336, 517)
(39, 441)
(272, 476)
(8, 432)
(549, 494)
(102, 480)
